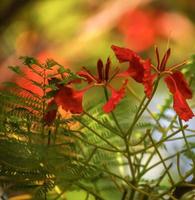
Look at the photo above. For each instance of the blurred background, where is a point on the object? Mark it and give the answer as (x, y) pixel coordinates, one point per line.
(78, 32)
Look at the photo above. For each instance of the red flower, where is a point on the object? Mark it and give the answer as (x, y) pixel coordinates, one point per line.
(115, 98)
(141, 28)
(71, 100)
(140, 71)
(68, 98)
(51, 112)
(102, 73)
(180, 90)
(103, 78)
(138, 28)
(177, 85)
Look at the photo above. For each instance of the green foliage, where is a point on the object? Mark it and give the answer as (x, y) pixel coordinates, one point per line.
(100, 154)
(190, 72)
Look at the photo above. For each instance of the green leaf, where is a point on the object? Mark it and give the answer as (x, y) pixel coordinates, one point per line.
(10, 84)
(50, 94)
(17, 70)
(29, 60)
(37, 84)
(62, 70)
(52, 86)
(50, 63)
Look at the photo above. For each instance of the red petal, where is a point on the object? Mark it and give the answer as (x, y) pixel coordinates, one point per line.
(136, 68)
(182, 84)
(139, 69)
(51, 112)
(69, 99)
(179, 101)
(123, 54)
(148, 78)
(115, 98)
(181, 107)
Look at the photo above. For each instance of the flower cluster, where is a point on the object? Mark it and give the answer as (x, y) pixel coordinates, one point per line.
(142, 71)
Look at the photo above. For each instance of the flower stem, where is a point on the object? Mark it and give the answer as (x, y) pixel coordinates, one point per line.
(187, 144)
(148, 110)
(97, 134)
(108, 127)
(159, 142)
(112, 113)
(161, 158)
(141, 110)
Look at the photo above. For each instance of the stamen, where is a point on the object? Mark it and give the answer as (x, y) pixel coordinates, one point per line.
(164, 60)
(87, 88)
(116, 71)
(157, 57)
(100, 67)
(107, 69)
(166, 72)
(89, 74)
(177, 66)
(154, 68)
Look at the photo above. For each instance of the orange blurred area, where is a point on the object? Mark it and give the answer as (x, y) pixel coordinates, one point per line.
(54, 29)
(143, 28)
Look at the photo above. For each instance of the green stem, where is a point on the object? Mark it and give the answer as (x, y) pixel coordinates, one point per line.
(124, 194)
(180, 138)
(112, 113)
(118, 187)
(60, 195)
(130, 164)
(89, 190)
(85, 163)
(161, 158)
(132, 186)
(165, 159)
(132, 195)
(92, 144)
(187, 144)
(140, 141)
(127, 137)
(111, 129)
(175, 185)
(148, 110)
(144, 170)
(87, 196)
(57, 125)
(158, 143)
(97, 134)
(163, 175)
(171, 124)
(141, 110)
(178, 165)
(135, 117)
